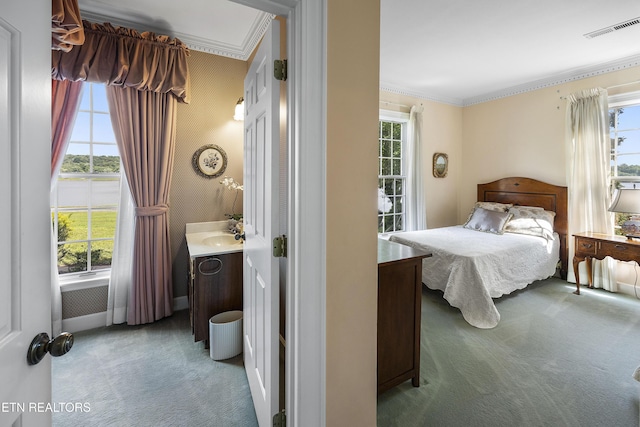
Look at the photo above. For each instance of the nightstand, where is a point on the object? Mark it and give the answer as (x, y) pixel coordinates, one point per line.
(597, 245)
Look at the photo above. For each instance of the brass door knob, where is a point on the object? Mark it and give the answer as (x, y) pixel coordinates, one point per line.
(41, 345)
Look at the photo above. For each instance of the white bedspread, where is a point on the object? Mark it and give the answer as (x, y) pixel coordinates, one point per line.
(472, 267)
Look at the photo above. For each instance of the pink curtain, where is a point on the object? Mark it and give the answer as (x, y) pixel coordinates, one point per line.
(124, 57)
(145, 126)
(65, 99)
(146, 75)
(66, 25)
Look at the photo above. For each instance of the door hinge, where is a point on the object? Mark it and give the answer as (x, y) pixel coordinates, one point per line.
(280, 69)
(280, 246)
(280, 419)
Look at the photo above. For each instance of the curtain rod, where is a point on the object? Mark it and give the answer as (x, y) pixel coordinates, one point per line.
(614, 86)
(395, 104)
(624, 84)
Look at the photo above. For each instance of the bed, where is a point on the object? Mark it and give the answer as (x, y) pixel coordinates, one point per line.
(472, 267)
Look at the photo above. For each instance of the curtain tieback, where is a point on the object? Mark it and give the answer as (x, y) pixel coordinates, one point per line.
(156, 210)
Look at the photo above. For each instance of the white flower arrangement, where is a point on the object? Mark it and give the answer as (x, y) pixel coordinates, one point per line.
(232, 184)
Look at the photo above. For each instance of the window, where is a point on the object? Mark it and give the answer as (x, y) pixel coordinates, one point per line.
(392, 135)
(624, 123)
(84, 203)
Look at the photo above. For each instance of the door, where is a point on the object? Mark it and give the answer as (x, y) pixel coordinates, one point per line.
(261, 197)
(25, 218)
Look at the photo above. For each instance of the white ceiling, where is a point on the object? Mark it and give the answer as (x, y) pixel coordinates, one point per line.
(214, 26)
(455, 51)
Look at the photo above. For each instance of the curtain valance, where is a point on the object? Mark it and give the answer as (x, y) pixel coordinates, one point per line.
(66, 25)
(124, 57)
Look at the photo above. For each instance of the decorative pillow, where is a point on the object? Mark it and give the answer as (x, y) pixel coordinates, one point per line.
(531, 220)
(530, 208)
(494, 206)
(487, 220)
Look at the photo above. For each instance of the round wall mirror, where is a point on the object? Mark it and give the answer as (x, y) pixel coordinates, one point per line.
(440, 165)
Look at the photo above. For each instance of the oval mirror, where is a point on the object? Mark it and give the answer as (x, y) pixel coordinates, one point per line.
(440, 165)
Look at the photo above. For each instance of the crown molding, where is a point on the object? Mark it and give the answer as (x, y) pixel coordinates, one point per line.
(278, 7)
(415, 94)
(565, 77)
(242, 52)
(561, 78)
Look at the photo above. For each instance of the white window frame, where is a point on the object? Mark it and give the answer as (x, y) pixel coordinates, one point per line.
(617, 101)
(624, 100)
(403, 119)
(89, 276)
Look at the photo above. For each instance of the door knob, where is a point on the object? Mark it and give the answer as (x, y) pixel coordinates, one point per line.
(41, 345)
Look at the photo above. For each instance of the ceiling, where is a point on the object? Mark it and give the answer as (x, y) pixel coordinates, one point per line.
(213, 26)
(459, 52)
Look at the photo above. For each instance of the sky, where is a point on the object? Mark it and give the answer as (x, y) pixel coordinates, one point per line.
(629, 150)
(76, 193)
(102, 130)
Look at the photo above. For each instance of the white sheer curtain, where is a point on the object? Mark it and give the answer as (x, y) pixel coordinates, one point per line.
(121, 278)
(56, 294)
(416, 215)
(588, 169)
(65, 102)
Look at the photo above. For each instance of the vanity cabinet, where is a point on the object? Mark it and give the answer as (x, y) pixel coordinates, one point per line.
(215, 286)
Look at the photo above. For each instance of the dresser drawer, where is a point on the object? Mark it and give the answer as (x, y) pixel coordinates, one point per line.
(585, 247)
(620, 251)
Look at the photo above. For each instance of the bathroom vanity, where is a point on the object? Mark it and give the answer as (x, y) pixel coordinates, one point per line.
(215, 274)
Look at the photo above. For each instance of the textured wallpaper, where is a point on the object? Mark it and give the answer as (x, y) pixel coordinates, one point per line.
(216, 85)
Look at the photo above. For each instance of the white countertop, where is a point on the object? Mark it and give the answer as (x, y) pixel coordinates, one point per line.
(197, 234)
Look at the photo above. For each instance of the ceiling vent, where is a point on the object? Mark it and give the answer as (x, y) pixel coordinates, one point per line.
(613, 28)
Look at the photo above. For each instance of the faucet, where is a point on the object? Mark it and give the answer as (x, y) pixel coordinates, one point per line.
(239, 231)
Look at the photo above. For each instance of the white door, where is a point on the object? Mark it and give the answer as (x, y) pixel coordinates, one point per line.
(261, 196)
(25, 221)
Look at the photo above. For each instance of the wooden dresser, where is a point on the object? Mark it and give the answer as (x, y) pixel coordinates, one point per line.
(596, 245)
(399, 313)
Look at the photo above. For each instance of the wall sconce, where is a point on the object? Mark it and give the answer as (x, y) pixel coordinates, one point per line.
(239, 114)
(627, 200)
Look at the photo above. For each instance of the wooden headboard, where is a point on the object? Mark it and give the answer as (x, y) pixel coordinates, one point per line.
(531, 192)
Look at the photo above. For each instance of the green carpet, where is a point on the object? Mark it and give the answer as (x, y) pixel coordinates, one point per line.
(151, 375)
(555, 359)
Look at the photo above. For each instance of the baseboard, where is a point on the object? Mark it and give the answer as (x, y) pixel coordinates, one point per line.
(180, 303)
(83, 323)
(98, 320)
(628, 289)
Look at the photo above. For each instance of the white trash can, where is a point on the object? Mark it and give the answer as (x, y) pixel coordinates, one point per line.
(225, 335)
